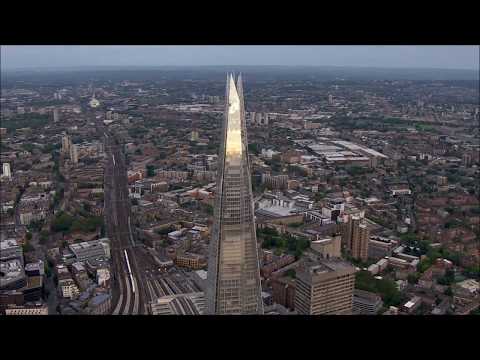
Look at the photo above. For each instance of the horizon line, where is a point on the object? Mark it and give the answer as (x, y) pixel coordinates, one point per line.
(67, 67)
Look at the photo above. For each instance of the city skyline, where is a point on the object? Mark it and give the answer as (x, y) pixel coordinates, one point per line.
(385, 56)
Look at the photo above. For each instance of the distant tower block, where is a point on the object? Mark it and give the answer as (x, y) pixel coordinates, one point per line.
(94, 103)
(66, 144)
(258, 118)
(74, 153)
(359, 240)
(56, 115)
(330, 99)
(194, 136)
(6, 170)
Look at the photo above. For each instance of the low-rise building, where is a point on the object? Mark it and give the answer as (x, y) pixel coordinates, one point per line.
(284, 292)
(366, 303)
(102, 276)
(276, 264)
(328, 247)
(191, 261)
(379, 247)
(33, 211)
(179, 304)
(35, 268)
(411, 305)
(100, 304)
(267, 298)
(392, 310)
(12, 275)
(68, 288)
(200, 279)
(10, 249)
(80, 275)
(468, 288)
(275, 181)
(34, 309)
(91, 249)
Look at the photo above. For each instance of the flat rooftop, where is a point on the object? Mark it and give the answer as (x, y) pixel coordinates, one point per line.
(322, 241)
(8, 244)
(276, 211)
(327, 266)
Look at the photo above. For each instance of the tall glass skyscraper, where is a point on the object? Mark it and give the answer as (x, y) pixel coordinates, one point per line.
(233, 269)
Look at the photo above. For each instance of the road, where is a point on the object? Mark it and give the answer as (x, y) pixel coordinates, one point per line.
(127, 287)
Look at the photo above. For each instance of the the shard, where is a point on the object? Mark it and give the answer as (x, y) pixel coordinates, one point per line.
(233, 270)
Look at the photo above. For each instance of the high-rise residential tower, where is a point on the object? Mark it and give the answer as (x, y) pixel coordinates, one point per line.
(56, 115)
(66, 144)
(233, 269)
(74, 153)
(359, 238)
(355, 236)
(6, 171)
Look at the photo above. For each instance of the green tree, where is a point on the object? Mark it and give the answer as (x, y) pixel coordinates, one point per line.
(423, 265)
(319, 196)
(413, 278)
(454, 257)
(209, 209)
(87, 224)
(165, 230)
(295, 225)
(448, 278)
(268, 231)
(386, 288)
(43, 237)
(291, 273)
(27, 247)
(472, 271)
(161, 155)
(267, 242)
(475, 312)
(150, 170)
(48, 271)
(254, 148)
(62, 222)
(364, 280)
(389, 292)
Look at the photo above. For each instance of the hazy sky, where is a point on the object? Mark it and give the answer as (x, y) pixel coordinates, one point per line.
(451, 57)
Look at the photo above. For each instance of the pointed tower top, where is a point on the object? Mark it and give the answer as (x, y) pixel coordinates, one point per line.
(239, 78)
(240, 84)
(232, 88)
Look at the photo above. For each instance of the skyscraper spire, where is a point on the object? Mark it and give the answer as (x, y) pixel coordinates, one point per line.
(233, 270)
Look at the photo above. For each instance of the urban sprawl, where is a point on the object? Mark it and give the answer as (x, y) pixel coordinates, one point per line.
(365, 195)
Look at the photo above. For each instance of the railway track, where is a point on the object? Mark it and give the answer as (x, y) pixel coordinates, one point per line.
(127, 287)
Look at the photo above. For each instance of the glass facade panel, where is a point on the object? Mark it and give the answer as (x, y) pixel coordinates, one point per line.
(233, 274)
